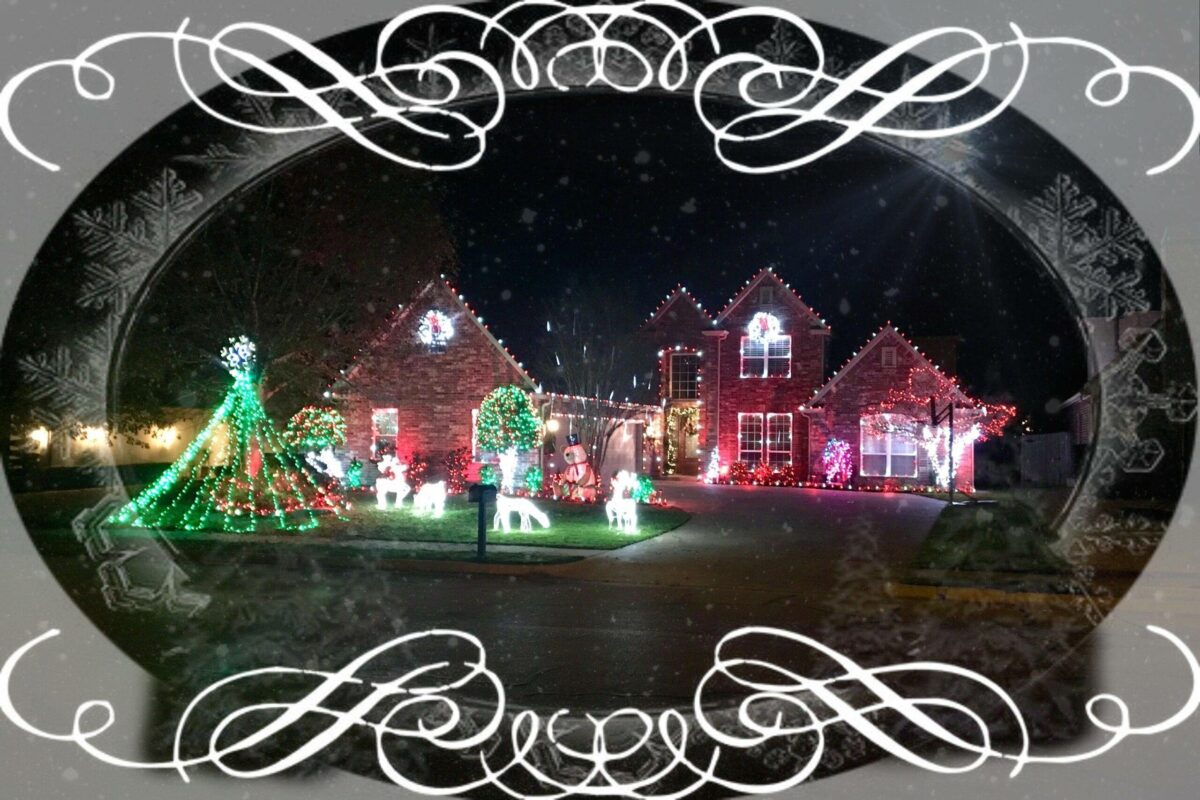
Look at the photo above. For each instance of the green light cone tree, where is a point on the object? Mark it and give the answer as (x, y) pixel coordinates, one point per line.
(244, 481)
(507, 424)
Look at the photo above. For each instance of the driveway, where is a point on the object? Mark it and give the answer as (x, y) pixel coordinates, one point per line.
(636, 626)
(764, 539)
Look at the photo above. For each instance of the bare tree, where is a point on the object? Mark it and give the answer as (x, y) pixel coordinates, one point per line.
(306, 273)
(593, 352)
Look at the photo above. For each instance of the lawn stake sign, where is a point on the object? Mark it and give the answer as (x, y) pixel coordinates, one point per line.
(251, 481)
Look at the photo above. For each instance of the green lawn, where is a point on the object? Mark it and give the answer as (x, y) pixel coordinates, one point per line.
(571, 525)
(1005, 536)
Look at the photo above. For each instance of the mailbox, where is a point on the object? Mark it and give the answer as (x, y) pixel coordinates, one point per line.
(481, 493)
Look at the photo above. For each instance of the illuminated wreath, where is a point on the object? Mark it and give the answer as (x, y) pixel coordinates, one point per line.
(436, 329)
(763, 327)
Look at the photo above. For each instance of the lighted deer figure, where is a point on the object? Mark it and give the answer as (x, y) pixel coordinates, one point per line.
(506, 506)
(391, 481)
(325, 462)
(622, 509)
(431, 499)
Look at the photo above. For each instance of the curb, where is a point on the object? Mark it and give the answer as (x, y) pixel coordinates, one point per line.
(479, 567)
(978, 594)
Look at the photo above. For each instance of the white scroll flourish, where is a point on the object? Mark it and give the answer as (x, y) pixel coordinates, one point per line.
(458, 706)
(627, 47)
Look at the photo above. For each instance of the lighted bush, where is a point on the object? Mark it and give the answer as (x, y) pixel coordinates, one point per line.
(488, 475)
(643, 491)
(418, 466)
(739, 472)
(533, 479)
(456, 463)
(354, 474)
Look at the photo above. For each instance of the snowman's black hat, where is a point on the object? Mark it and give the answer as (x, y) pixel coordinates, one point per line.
(572, 439)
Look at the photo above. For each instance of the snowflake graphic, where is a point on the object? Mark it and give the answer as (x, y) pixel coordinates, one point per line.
(128, 238)
(250, 153)
(123, 240)
(1098, 251)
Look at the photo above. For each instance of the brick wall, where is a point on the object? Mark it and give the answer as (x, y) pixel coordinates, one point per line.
(434, 393)
(763, 395)
(859, 391)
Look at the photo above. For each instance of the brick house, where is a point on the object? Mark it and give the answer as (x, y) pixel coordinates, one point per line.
(749, 383)
(731, 384)
(417, 386)
(846, 405)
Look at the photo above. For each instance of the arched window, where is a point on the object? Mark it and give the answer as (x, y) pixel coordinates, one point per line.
(887, 446)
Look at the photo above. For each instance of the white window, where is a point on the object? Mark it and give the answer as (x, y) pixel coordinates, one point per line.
(770, 358)
(888, 358)
(750, 438)
(385, 425)
(887, 448)
(685, 373)
(779, 439)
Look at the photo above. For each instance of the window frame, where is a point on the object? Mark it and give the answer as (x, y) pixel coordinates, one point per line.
(769, 451)
(376, 435)
(767, 357)
(755, 452)
(889, 450)
(673, 386)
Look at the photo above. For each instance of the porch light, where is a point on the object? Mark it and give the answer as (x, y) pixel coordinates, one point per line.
(40, 437)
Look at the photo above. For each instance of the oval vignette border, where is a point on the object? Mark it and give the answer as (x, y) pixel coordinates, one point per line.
(1135, 398)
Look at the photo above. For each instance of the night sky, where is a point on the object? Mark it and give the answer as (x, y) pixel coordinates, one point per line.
(625, 193)
(629, 191)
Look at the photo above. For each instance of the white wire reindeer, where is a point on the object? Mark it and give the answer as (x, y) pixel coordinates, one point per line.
(391, 481)
(622, 510)
(430, 499)
(506, 506)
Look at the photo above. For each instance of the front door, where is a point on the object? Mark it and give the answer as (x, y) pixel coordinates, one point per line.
(689, 451)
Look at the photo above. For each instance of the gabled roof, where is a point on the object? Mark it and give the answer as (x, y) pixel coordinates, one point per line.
(883, 334)
(768, 274)
(417, 304)
(678, 294)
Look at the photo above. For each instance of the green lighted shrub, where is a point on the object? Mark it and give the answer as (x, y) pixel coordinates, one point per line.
(488, 475)
(354, 474)
(533, 479)
(644, 490)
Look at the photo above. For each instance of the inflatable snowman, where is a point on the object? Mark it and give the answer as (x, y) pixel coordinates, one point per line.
(577, 481)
